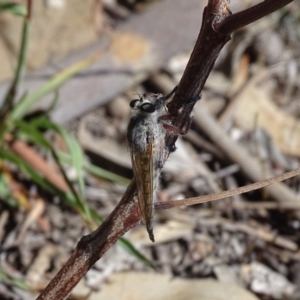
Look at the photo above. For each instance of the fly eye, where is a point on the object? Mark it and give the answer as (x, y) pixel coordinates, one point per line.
(134, 103)
(148, 108)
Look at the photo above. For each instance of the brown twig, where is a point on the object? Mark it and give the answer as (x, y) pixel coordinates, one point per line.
(229, 193)
(90, 248)
(211, 40)
(250, 15)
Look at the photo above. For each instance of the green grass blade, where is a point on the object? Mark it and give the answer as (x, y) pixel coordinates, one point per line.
(53, 102)
(53, 84)
(9, 99)
(96, 171)
(30, 133)
(77, 162)
(4, 277)
(5, 193)
(77, 157)
(16, 9)
(132, 250)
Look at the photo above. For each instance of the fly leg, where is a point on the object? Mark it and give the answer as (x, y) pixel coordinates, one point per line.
(170, 117)
(167, 119)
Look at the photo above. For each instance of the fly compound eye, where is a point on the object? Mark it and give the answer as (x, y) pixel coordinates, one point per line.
(134, 103)
(148, 108)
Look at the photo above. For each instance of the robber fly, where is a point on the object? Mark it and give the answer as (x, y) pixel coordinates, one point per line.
(146, 139)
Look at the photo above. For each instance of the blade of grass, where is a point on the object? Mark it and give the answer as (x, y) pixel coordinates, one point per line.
(77, 162)
(8, 102)
(5, 193)
(53, 102)
(76, 156)
(16, 9)
(53, 84)
(132, 250)
(96, 171)
(30, 133)
(4, 277)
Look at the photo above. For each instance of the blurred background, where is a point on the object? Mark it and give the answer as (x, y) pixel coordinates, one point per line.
(65, 162)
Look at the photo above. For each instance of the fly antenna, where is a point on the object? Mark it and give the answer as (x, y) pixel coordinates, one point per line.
(137, 93)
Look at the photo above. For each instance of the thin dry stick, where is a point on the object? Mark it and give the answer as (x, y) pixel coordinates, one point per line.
(243, 18)
(229, 193)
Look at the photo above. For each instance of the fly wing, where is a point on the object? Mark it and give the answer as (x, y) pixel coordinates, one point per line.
(143, 170)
